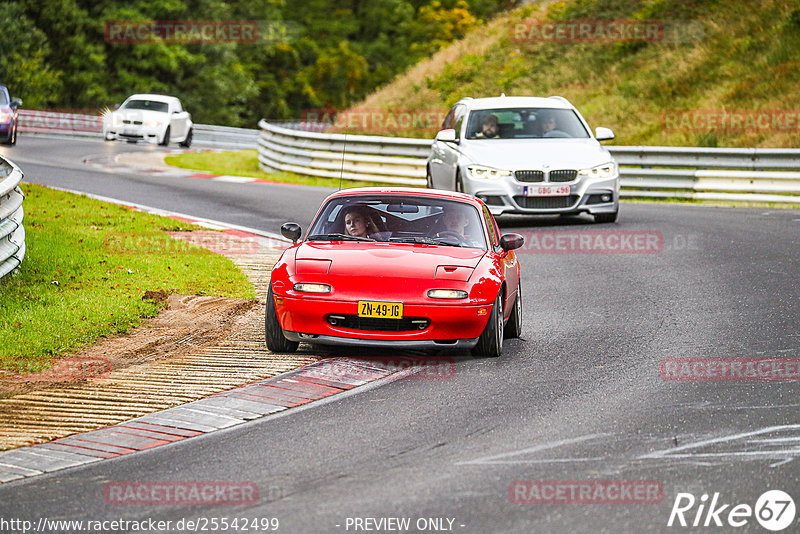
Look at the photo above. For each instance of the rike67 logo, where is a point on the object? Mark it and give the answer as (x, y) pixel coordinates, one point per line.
(774, 510)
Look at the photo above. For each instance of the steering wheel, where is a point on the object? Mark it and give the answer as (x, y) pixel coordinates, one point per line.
(449, 233)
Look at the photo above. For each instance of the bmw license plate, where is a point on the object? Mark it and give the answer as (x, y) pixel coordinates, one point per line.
(381, 310)
(546, 191)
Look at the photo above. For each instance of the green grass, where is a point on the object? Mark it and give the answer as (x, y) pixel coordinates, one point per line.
(732, 56)
(245, 163)
(87, 266)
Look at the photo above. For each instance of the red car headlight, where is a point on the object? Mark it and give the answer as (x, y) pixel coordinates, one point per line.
(312, 288)
(447, 294)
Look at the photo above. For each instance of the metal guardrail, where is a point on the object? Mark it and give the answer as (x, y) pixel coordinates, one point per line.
(12, 233)
(750, 174)
(91, 126)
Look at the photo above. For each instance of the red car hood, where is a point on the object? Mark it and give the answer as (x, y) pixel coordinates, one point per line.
(389, 260)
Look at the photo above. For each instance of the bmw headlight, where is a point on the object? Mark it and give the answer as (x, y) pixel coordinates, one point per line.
(606, 170)
(153, 124)
(5, 117)
(487, 173)
(116, 120)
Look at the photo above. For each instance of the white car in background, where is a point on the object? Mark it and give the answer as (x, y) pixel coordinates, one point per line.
(152, 118)
(526, 155)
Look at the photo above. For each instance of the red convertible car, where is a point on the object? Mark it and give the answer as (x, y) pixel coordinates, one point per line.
(397, 267)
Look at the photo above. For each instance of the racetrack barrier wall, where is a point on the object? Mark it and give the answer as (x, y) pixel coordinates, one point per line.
(91, 126)
(743, 174)
(12, 233)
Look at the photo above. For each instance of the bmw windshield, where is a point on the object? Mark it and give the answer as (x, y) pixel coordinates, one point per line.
(525, 123)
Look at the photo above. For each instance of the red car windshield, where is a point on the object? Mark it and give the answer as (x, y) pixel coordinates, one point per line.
(399, 219)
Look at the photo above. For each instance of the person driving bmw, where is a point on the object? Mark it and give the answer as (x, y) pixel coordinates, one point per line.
(490, 127)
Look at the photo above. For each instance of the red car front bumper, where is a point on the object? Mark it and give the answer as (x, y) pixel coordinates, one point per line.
(320, 321)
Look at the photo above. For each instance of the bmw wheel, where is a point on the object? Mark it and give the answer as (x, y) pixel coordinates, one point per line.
(165, 141)
(186, 143)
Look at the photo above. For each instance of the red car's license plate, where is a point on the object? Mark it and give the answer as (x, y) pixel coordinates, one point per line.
(546, 191)
(381, 310)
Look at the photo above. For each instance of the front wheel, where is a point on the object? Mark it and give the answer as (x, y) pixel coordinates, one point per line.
(606, 217)
(165, 141)
(514, 326)
(459, 183)
(186, 143)
(276, 341)
(490, 344)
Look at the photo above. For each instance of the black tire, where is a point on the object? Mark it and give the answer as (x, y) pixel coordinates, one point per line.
(490, 344)
(273, 333)
(514, 325)
(459, 184)
(606, 217)
(165, 141)
(186, 143)
(428, 178)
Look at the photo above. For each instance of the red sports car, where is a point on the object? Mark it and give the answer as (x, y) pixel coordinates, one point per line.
(397, 267)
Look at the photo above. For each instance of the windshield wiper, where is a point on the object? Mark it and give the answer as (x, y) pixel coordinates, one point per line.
(426, 240)
(413, 239)
(337, 237)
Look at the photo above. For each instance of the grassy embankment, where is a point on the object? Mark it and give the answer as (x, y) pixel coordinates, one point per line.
(87, 266)
(728, 56)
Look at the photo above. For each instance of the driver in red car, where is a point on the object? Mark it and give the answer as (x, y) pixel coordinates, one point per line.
(455, 220)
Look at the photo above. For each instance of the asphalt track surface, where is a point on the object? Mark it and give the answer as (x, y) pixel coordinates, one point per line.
(580, 397)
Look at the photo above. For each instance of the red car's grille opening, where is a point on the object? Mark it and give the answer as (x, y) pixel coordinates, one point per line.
(354, 322)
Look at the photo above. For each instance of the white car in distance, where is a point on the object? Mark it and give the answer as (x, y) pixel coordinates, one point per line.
(151, 118)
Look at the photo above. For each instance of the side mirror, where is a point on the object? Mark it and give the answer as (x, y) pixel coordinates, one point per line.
(447, 136)
(291, 231)
(115, 107)
(603, 134)
(511, 241)
(16, 102)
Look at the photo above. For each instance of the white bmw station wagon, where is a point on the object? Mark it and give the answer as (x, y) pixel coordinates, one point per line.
(526, 155)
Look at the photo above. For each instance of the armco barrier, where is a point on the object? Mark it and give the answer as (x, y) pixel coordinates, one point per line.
(752, 174)
(83, 125)
(12, 233)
